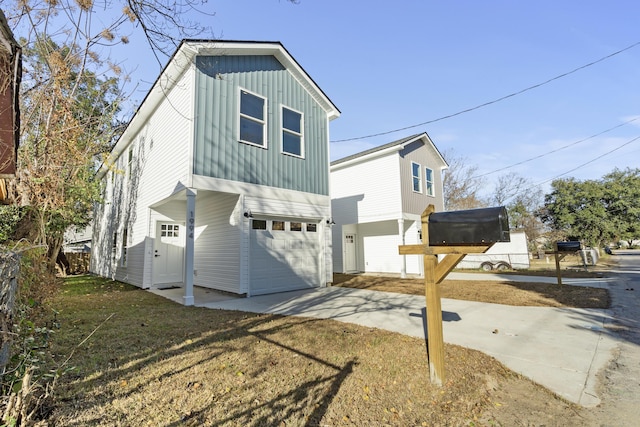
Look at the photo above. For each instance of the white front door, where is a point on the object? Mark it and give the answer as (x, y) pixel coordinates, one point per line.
(350, 253)
(168, 253)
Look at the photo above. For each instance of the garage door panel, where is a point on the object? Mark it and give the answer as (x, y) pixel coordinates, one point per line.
(282, 260)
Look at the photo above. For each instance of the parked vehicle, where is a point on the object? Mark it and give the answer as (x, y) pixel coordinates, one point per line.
(501, 256)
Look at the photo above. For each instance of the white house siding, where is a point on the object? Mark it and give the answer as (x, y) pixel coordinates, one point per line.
(159, 170)
(371, 190)
(217, 241)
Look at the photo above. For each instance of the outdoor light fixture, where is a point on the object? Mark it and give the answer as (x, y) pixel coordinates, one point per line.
(330, 221)
(248, 214)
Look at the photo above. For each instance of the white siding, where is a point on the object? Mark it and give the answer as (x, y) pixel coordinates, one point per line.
(217, 244)
(162, 150)
(367, 192)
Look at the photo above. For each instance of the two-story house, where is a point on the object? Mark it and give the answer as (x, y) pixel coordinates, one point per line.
(377, 197)
(221, 179)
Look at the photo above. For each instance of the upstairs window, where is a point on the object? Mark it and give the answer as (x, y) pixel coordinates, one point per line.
(253, 113)
(428, 175)
(416, 179)
(292, 139)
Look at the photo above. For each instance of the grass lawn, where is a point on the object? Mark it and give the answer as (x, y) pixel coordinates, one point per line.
(152, 362)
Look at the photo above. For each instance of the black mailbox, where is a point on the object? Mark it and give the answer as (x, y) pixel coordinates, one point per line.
(571, 246)
(469, 227)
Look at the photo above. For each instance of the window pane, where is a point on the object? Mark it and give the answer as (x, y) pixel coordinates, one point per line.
(259, 224)
(296, 226)
(251, 105)
(251, 131)
(291, 144)
(416, 184)
(291, 120)
(415, 169)
(311, 228)
(429, 174)
(430, 188)
(278, 226)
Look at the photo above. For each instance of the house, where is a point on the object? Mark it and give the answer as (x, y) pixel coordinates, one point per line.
(221, 179)
(377, 197)
(10, 76)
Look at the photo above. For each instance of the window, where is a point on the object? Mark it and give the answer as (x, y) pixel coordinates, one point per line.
(312, 228)
(415, 174)
(169, 230)
(258, 224)
(125, 244)
(428, 175)
(278, 226)
(114, 246)
(295, 226)
(253, 113)
(292, 125)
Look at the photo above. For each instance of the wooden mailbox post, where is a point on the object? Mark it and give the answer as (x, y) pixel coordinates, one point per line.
(435, 272)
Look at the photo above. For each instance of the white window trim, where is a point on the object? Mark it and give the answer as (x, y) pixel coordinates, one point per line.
(427, 182)
(264, 122)
(419, 190)
(283, 129)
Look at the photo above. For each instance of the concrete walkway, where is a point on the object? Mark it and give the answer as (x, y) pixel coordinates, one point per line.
(561, 349)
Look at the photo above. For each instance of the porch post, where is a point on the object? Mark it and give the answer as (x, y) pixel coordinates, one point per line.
(189, 246)
(403, 267)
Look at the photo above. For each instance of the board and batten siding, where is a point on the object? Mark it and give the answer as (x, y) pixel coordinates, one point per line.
(412, 202)
(217, 152)
(367, 192)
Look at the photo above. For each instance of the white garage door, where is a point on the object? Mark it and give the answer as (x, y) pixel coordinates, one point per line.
(284, 256)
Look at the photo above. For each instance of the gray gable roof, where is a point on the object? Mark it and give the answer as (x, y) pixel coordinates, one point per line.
(399, 144)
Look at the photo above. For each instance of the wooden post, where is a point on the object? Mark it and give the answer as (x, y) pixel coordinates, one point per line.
(557, 255)
(434, 273)
(435, 339)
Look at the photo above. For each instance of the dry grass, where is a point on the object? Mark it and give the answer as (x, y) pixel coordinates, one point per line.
(155, 363)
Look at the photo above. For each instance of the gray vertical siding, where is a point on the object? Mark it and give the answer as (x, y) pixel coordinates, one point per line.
(217, 153)
(415, 203)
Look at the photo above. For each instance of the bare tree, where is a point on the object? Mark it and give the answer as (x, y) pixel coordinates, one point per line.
(72, 93)
(523, 201)
(461, 187)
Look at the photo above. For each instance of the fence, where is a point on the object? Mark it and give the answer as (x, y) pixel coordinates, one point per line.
(9, 268)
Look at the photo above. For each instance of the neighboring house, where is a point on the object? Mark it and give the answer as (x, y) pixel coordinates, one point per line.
(77, 240)
(10, 76)
(377, 197)
(221, 179)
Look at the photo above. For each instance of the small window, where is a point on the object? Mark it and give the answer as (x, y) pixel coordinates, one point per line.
(428, 175)
(296, 226)
(114, 246)
(415, 175)
(312, 228)
(258, 224)
(253, 113)
(277, 226)
(169, 230)
(125, 244)
(292, 125)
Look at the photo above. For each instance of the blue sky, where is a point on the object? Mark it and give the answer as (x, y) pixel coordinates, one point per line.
(392, 64)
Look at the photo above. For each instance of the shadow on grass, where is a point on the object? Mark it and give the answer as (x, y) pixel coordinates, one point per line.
(151, 341)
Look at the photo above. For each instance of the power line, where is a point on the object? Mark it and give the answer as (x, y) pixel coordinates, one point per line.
(539, 184)
(558, 149)
(491, 102)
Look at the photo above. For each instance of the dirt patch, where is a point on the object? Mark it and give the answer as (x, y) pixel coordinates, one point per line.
(497, 292)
